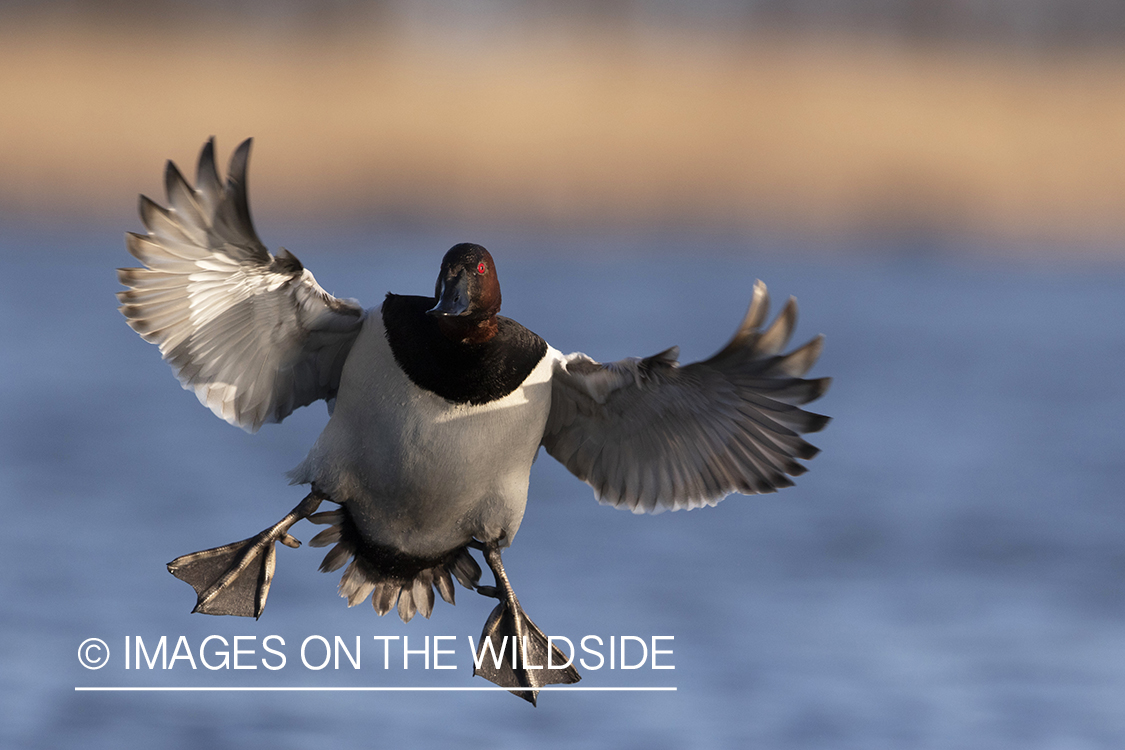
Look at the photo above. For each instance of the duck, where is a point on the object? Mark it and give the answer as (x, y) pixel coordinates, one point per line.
(437, 407)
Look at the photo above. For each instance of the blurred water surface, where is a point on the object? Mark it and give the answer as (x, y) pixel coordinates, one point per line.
(949, 574)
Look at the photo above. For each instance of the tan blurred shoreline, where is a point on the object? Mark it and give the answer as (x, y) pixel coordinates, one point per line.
(819, 135)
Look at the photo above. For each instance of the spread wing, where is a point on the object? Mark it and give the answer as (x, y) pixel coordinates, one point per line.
(649, 435)
(251, 333)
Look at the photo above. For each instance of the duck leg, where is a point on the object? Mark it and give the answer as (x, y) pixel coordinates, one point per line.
(235, 579)
(525, 654)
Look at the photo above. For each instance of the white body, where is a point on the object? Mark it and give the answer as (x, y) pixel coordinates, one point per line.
(417, 472)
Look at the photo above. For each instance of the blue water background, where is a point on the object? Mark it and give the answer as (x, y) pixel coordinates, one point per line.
(950, 574)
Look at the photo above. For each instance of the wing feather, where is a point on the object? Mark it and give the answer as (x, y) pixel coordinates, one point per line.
(649, 435)
(252, 334)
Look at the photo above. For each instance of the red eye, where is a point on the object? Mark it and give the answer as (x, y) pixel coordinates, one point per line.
(481, 267)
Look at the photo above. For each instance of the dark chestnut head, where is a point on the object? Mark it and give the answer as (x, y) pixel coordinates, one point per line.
(467, 294)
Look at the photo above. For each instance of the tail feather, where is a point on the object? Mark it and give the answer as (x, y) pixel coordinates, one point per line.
(390, 578)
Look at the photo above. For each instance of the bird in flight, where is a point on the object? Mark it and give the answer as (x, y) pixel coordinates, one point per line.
(437, 408)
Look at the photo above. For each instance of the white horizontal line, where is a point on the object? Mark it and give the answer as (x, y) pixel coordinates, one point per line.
(360, 689)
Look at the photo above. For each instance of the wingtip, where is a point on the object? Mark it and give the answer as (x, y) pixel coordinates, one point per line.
(231, 203)
(816, 422)
(207, 181)
(799, 361)
(776, 337)
(207, 153)
(172, 177)
(240, 161)
(150, 212)
(759, 307)
(752, 321)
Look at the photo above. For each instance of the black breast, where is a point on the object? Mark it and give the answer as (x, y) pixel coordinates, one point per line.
(461, 373)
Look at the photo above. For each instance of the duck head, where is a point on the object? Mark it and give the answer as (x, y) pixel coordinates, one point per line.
(467, 294)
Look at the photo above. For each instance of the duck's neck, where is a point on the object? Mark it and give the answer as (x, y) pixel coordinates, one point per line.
(469, 331)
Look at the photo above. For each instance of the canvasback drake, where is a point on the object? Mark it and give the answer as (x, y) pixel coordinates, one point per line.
(437, 408)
